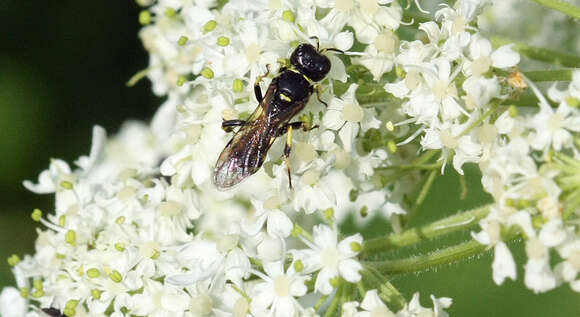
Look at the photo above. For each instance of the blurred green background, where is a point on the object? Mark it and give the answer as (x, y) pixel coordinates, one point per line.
(63, 68)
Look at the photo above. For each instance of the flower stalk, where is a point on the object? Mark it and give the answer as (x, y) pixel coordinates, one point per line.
(565, 7)
(458, 222)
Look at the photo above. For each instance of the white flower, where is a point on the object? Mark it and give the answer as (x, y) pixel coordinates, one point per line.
(159, 300)
(331, 257)
(277, 222)
(415, 309)
(347, 117)
(12, 304)
(276, 294)
(482, 56)
(373, 306)
(553, 128)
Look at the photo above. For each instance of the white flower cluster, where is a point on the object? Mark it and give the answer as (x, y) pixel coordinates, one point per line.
(132, 237)
(139, 229)
(531, 172)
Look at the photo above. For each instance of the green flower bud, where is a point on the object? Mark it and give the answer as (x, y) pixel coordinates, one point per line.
(93, 273)
(182, 40)
(66, 185)
(144, 17)
(209, 26)
(120, 246)
(207, 73)
(288, 16)
(116, 277)
(298, 266)
(238, 85)
(223, 41)
(36, 214)
(71, 237)
(181, 80)
(13, 260)
(170, 12)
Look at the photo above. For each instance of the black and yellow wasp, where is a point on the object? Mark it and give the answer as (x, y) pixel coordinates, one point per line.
(286, 96)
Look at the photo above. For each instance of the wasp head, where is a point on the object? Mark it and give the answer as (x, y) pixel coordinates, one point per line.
(310, 62)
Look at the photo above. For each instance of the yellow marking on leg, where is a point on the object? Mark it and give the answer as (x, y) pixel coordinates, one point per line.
(259, 78)
(287, 153)
(318, 93)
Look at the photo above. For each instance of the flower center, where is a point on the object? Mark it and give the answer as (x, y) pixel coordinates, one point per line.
(535, 249)
(170, 208)
(343, 5)
(412, 79)
(282, 285)
(310, 177)
(253, 53)
(385, 42)
(241, 307)
(555, 122)
(574, 260)
(352, 112)
(440, 89)
(201, 305)
(448, 140)
(330, 257)
(481, 65)
(369, 7)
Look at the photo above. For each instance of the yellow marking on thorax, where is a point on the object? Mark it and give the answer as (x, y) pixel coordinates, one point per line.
(310, 81)
(285, 98)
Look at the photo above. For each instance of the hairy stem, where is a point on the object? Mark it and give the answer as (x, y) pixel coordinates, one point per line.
(436, 258)
(550, 75)
(562, 6)
(415, 235)
(421, 196)
(538, 53)
(387, 291)
(335, 302)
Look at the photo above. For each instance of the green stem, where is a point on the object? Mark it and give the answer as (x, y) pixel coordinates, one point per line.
(549, 75)
(137, 77)
(361, 289)
(562, 6)
(320, 302)
(415, 235)
(421, 196)
(425, 157)
(332, 307)
(538, 53)
(479, 120)
(426, 188)
(418, 17)
(387, 291)
(412, 166)
(436, 258)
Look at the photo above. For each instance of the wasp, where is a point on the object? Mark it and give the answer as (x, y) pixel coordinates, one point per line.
(287, 95)
(53, 312)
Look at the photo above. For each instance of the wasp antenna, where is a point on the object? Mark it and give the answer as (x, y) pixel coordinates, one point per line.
(317, 42)
(332, 49)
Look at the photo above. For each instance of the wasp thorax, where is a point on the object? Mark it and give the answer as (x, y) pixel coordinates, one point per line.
(310, 62)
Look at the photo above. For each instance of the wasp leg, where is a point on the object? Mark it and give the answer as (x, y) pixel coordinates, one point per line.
(257, 89)
(318, 93)
(228, 125)
(287, 129)
(296, 125)
(287, 149)
(317, 42)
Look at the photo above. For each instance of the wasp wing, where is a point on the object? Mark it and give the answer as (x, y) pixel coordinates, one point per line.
(245, 152)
